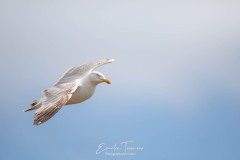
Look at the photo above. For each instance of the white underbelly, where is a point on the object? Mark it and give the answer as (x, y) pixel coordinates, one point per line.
(81, 94)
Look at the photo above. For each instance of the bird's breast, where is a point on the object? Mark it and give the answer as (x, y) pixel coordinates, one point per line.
(81, 94)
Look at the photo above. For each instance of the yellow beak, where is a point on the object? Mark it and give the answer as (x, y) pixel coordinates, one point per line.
(107, 81)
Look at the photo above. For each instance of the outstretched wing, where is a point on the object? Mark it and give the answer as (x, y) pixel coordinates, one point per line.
(79, 71)
(54, 99)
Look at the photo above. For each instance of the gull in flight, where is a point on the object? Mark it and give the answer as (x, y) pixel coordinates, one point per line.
(75, 86)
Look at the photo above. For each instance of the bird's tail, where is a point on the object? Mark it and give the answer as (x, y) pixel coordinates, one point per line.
(35, 105)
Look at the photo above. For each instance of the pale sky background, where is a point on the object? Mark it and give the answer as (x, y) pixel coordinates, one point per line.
(175, 82)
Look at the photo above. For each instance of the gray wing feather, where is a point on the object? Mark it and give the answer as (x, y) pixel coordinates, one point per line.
(79, 71)
(54, 99)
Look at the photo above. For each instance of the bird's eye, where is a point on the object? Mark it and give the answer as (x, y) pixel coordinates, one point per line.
(98, 75)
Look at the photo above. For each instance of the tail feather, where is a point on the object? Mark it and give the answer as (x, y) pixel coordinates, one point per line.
(35, 105)
(29, 109)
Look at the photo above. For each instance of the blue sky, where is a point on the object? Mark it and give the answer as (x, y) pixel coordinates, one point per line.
(175, 82)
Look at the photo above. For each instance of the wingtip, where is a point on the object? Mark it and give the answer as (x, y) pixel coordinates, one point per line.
(111, 60)
(36, 123)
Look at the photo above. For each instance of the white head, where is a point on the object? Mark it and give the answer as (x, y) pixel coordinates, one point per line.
(97, 77)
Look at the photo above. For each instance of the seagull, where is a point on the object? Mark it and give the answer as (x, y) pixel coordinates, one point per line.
(75, 86)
